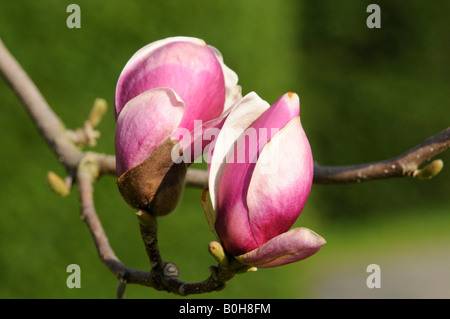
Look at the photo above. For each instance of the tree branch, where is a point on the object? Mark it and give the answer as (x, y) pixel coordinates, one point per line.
(163, 275)
(85, 179)
(406, 164)
(46, 121)
(197, 178)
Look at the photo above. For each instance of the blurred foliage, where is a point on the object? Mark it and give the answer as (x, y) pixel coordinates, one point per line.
(377, 93)
(366, 95)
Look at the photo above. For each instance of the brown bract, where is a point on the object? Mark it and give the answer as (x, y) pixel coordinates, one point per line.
(155, 185)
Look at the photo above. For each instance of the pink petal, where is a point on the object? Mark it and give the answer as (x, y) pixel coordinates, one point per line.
(233, 224)
(193, 144)
(202, 140)
(233, 90)
(144, 123)
(190, 68)
(136, 64)
(245, 111)
(241, 116)
(294, 245)
(280, 183)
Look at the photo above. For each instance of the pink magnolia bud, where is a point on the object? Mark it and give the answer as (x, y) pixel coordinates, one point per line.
(203, 88)
(259, 183)
(193, 69)
(144, 124)
(166, 86)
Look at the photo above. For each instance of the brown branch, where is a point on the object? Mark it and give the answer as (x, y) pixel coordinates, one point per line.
(85, 179)
(163, 275)
(107, 164)
(148, 225)
(406, 164)
(46, 121)
(197, 178)
(89, 216)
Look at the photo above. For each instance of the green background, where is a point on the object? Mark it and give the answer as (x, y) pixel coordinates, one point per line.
(366, 95)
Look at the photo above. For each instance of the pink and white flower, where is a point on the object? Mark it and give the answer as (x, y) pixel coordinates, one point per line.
(168, 84)
(258, 199)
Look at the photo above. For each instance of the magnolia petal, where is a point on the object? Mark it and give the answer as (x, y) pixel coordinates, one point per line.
(192, 145)
(233, 222)
(233, 90)
(280, 183)
(241, 116)
(144, 123)
(226, 191)
(286, 108)
(202, 139)
(138, 59)
(294, 245)
(189, 68)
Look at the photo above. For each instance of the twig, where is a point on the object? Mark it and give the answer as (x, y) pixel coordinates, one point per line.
(48, 124)
(148, 225)
(406, 164)
(197, 178)
(85, 179)
(163, 275)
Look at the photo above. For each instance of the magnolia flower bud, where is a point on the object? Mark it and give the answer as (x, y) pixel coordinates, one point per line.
(167, 85)
(259, 183)
(193, 69)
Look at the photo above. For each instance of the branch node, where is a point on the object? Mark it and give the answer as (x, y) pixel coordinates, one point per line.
(89, 163)
(214, 272)
(85, 135)
(182, 290)
(170, 270)
(146, 219)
